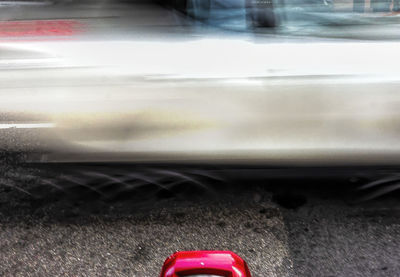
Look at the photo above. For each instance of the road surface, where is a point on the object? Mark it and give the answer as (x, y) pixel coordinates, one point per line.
(282, 228)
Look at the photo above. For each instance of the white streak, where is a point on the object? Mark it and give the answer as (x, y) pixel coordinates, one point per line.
(27, 125)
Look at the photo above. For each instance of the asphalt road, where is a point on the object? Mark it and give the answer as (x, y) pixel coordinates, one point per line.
(281, 228)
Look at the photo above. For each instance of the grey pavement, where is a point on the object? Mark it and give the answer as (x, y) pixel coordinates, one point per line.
(280, 229)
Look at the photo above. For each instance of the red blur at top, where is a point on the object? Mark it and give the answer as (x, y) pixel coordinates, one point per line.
(217, 263)
(34, 28)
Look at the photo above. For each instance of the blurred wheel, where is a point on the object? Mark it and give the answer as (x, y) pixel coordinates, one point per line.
(260, 13)
(199, 9)
(180, 5)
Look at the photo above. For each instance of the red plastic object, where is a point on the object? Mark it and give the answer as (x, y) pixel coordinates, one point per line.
(219, 263)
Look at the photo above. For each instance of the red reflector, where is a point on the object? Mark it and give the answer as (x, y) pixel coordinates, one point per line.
(25, 28)
(207, 263)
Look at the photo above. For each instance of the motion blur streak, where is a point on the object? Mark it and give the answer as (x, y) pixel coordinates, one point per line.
(33, 28)
(148, 83)
(199, 99)
(27, 125)
(218, 58)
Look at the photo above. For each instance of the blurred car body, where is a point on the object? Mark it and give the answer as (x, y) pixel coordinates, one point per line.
(202, 96)
(269, 104)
